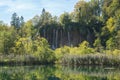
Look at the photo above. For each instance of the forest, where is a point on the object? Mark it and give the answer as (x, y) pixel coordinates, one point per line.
(89, 35)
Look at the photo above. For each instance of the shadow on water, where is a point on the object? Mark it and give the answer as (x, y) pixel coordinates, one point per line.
(45, 72)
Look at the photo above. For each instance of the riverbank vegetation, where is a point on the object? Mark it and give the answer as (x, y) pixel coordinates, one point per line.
(89, 35)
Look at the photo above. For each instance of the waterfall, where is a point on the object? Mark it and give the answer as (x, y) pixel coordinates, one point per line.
(80, 37)
(53, 46)
(44, 33)
(69, 43)
(61, 37)
(56, 38)
(88, 36)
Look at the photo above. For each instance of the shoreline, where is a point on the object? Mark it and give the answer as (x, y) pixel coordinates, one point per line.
(70, 60)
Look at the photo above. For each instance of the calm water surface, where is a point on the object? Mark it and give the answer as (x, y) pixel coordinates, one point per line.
(58, 73)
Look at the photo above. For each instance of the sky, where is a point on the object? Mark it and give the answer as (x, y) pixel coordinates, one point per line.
(29, 8)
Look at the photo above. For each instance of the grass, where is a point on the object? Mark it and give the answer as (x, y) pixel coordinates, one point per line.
(91, 59)
(67, 59)
(26, 59)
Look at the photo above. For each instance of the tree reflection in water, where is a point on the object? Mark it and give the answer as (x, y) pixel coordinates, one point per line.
(58, 73)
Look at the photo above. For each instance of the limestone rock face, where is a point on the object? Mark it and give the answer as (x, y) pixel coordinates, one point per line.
(58, 37)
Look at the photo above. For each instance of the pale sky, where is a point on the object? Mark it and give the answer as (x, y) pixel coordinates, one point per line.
(29, 8)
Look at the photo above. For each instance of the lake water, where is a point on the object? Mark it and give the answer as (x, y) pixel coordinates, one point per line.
(58, 73)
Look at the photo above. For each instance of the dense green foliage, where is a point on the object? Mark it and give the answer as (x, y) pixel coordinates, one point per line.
(17, 45)
(97, 21)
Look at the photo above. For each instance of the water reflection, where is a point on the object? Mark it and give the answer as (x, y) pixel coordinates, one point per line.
(58, 73)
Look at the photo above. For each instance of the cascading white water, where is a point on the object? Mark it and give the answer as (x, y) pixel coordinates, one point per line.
(44, 33)
(56, 38)
(61, 37)
(53, 41)
(69, 38)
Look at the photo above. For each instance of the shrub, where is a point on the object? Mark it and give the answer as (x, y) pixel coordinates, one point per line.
(82, 49)
(43, 51)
